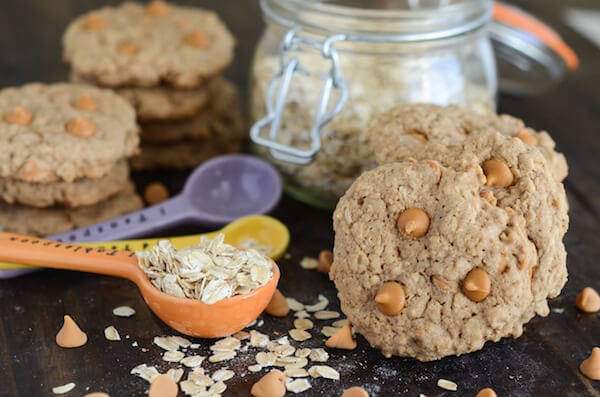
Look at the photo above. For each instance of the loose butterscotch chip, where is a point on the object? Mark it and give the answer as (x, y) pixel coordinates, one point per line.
(85, 103)
(477, 285)
(278, 306)
(413, 222)
(163, 386)
(325, 261)
(94, 22)
(155, 193)
(157, 8)
(128, 48)
(355, 391)
(588, 300)
(70, 335)
(197, 39)
(497, 173)
(487, 392)
(342, 339)
(81, 127)
(19, 116)
(270, 385)
(527, 137)
(390, 298)
(590, 367)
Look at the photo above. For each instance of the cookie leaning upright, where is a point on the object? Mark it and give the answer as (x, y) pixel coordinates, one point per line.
(427, 268)
(426, 131)
(135, 44)
(469, 244)
(63, 132)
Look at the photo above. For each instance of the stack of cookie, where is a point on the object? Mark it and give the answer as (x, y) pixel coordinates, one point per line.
(165, 60)
(63, 162)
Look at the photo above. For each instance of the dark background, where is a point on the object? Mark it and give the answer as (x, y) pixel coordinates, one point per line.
(543, 362)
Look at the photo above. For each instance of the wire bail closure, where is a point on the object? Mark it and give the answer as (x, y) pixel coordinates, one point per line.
(277, 93)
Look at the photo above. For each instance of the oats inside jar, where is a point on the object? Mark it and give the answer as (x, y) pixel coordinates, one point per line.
(209, 272)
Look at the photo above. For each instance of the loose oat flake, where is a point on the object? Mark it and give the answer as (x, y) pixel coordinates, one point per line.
(123, 311)
(298, 385)
(326, 315)
(166, 343)
(447, 385)
(303, 323)
(111, 333)
(210, 271)
(192, 361)
(145, 372)
(64, 388)
(309, 263)
(173, 356)
(175, 373)
(222, 375)
(299, 335)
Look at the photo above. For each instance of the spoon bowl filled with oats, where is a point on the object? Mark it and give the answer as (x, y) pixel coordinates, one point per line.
(207, 290)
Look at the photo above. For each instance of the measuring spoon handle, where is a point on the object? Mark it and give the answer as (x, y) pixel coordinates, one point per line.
(27, 250)
(135, 224)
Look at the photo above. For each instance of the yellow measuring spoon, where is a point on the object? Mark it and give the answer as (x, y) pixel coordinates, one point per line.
(262, 230)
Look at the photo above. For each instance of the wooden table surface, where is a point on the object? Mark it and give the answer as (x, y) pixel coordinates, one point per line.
(543, 362)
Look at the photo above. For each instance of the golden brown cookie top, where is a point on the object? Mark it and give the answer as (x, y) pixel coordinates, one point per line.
(148, 44)
(62, 132)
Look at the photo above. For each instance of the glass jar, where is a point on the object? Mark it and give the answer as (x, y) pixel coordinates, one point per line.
(323, 69)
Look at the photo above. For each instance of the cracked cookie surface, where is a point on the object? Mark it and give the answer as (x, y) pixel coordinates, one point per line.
(146, 45)
(476, 271)
(425, 131)
(63, 132)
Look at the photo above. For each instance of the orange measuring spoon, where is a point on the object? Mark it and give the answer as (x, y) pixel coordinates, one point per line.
(188, 316)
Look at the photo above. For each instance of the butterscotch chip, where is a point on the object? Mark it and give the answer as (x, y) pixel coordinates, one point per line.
(392, 138)
(18, 115)
(325, 261)
(270, 385)
(477, 285)
(33, 171)
(70, 335)
(81, 127)
(128, 48)
(170, 50)
(94, 22)
(197, 39)
(163, 386)
(590, 367)
(278, 306)
(497, 173)
(85, 103)
(527, 137)
(413, 222)
(157, 7)
(487, 392)
(588, 300)
(390, 298)
(155, 193)
(342, 339)
(355, 391)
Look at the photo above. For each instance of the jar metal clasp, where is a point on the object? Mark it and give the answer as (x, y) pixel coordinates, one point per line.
(277, 93)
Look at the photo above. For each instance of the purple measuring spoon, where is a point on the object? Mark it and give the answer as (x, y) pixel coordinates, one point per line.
(216, 193)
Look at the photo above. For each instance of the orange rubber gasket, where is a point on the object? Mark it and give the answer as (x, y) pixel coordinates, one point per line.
(519, 19)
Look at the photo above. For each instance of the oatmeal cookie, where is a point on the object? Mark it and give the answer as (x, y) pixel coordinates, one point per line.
(147, 45)
(425, 131)
(160, 102)
(80, 193)
(221, 116)
(63, 132)
(435, 259)
(48, 221)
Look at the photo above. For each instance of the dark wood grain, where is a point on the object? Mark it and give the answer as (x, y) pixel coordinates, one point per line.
(543, 362)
